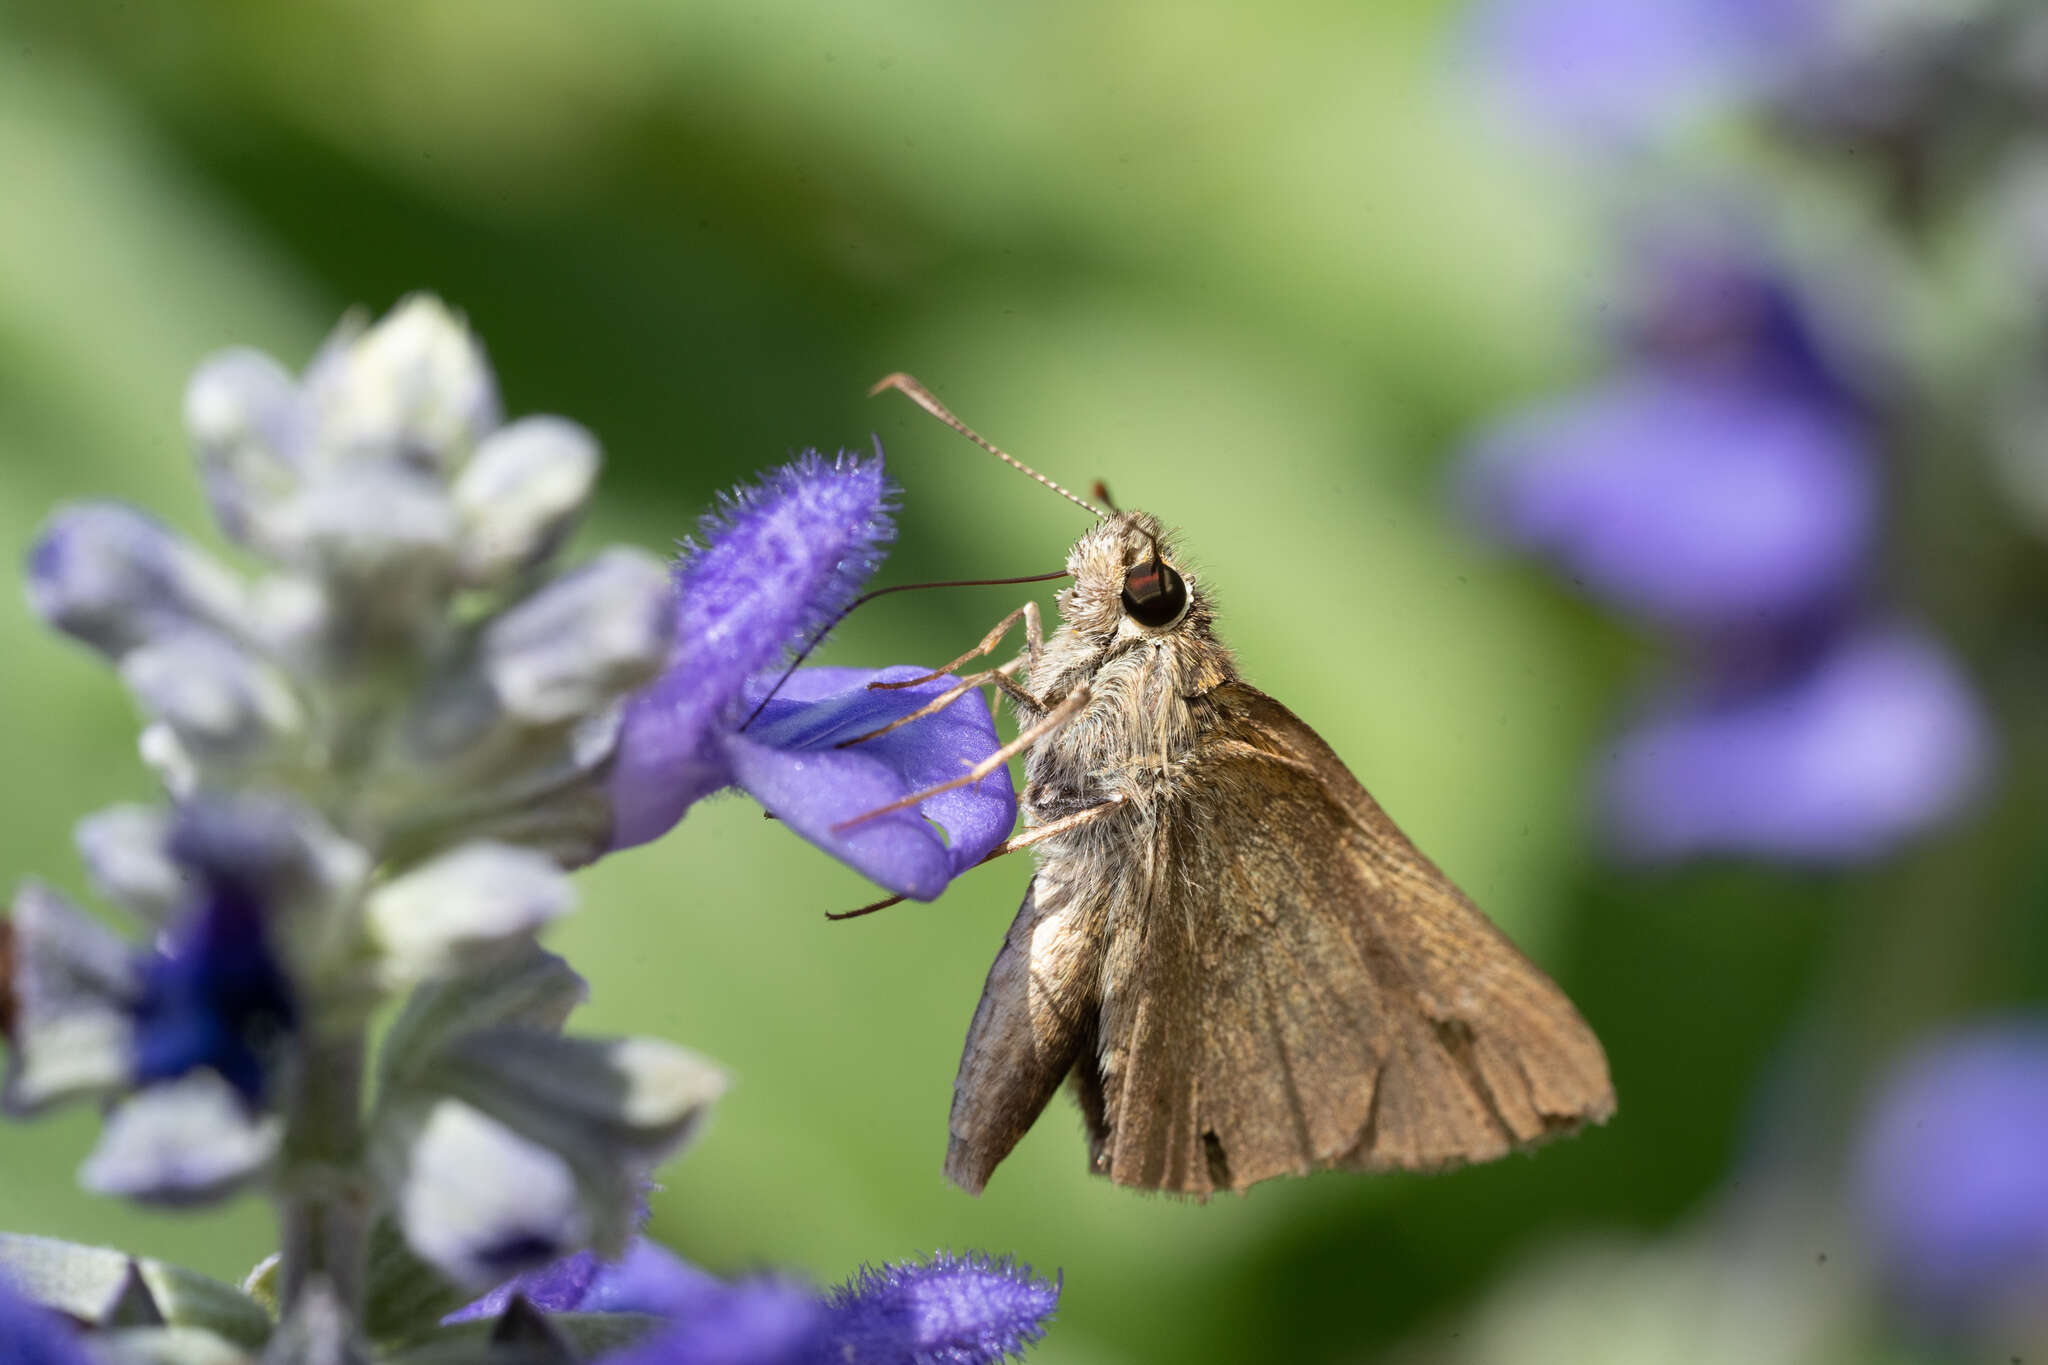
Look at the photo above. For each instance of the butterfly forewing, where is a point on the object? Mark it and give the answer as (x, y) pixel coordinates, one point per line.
(1348, 1011)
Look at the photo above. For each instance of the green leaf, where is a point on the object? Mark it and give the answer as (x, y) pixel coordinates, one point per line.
(638, 1095)
(261, 1283)
(405, 1295)
(528, 987)
(85, 1281)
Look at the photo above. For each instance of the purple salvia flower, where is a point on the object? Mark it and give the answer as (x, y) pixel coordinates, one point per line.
(647, 1279)
(1950, 1179)
(777, 563)
(1724, 478)
(950, 1310)
(33, 1335)
(1617, 73)
(1874, 741)
(777, 560)
(764, 1321)
(1697, 504)
(787, 760)
(213, 996)
(212, 992)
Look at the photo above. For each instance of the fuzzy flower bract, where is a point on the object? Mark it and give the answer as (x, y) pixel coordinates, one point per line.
(774, 565)
(949, 1310)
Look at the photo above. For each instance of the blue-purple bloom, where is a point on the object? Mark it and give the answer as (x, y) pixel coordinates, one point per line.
(1723, 484)
(33, 1335)
(1698, 504)
(1875, 739)
(212, 992)
(950, 1310)
(1951, 1176)
(213, 996)
(776, 564)
(1620, 72)
(1724, 478)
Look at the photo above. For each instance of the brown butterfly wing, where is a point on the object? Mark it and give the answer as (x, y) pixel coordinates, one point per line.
(1034, 1023)
(1293, 986)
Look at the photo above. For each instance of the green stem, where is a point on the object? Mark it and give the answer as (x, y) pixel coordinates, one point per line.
(327, 1200)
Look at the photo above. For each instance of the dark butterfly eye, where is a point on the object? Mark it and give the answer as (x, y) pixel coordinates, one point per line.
(1154, 595)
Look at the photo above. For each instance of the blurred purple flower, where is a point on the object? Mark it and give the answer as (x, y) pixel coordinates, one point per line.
(1618, 72)
(647, 1279)
(950, 1310)
(1703, 297)
(762, 1321)
(778, 562)
(1723, 478)
(33, 1335)
(211, 992)
(1873, 741)
(1694, 503)
(1951, 1179)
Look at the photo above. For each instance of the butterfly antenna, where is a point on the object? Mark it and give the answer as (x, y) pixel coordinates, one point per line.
(924, 398)
(1101, 493)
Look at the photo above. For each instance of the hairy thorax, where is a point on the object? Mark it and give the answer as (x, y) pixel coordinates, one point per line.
(1129, 743)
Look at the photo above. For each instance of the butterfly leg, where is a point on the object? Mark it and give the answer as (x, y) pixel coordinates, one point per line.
(1009, 845)
(1034, 636)
(1070, 706)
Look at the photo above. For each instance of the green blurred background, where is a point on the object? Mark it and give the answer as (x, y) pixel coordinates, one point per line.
(1258, 269)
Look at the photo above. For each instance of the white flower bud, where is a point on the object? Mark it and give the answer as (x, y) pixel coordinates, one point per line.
(187, 1141)
(116, 579)
(71, 984)
(480, 1203)
(125, 853)
(520, 494)
(582, 640)
(413, 388)
(457, 907)
(224, 703)
(248, 426)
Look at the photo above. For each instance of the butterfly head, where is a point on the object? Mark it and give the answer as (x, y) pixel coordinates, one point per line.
(1129, 580)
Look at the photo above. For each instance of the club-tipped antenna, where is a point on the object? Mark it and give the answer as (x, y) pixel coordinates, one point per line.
(924, 398)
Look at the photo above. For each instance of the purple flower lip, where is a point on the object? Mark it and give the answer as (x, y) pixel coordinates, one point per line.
(789, 761)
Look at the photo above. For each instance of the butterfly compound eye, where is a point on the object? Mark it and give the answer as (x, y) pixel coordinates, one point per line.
(1154, 595)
